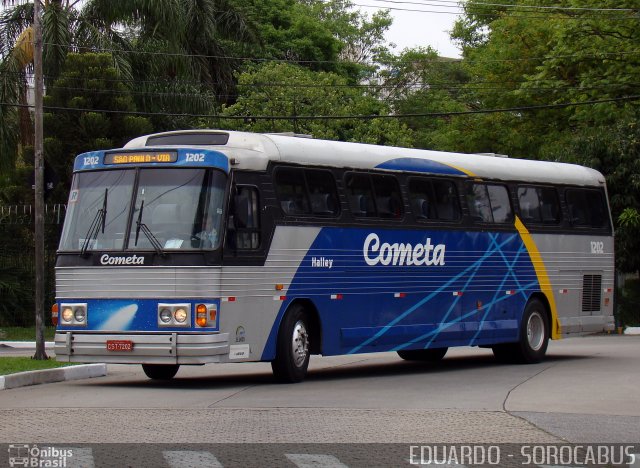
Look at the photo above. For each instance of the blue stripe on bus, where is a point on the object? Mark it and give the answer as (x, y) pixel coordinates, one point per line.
(186, 158)
(420, 165)
(481, 265)
(133, 315)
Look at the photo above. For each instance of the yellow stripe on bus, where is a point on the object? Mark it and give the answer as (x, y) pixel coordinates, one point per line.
(465, 171)
(543, 277)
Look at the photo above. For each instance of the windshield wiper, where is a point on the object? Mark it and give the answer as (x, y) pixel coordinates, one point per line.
(99, 221)
(140, 226)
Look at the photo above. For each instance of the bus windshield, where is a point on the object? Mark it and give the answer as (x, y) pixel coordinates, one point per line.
(145, 209)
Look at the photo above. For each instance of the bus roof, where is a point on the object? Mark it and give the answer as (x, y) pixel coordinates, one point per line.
(254, 151)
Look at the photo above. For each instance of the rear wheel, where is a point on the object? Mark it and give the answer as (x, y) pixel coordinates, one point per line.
(292, 347)
(534, 337)
(160, 371)
(424, 355)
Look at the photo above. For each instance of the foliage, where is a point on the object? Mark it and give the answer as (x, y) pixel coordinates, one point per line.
(283, 90)
(177, 49)
(88, 82)
(418, 81)
(17, 300)
(523, 56)
(25, 333)
(12, 365)
(628, 304)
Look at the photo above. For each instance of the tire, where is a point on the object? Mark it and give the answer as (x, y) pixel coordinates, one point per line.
(160, 371)
(534, 337)
(292, 347)
(424, 355)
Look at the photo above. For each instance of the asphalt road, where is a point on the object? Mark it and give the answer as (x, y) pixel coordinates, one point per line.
(586, 391)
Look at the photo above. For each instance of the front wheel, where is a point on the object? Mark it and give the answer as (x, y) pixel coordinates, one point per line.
(160, 371)
(534, 337)
(292, 347)
(424, 355)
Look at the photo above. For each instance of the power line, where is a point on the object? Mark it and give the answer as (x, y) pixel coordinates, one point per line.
(461, 11)
(342, 117)
(368, 86)
(390, 85)
(470, 87)
(456, 4)
(342, 62)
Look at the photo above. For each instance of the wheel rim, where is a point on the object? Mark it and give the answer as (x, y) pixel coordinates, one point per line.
(535, 331)
(300, 343)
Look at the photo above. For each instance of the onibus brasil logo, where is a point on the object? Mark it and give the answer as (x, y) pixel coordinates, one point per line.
(41, 457)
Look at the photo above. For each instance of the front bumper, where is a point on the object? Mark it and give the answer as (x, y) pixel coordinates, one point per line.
(157, 348)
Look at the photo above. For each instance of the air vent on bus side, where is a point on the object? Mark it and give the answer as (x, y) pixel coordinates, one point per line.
(591, 293)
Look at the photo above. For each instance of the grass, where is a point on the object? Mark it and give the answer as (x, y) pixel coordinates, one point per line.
(25, 333)
(11, 365)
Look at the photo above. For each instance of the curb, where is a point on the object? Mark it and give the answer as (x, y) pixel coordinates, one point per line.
(23, 379)
(24, 344)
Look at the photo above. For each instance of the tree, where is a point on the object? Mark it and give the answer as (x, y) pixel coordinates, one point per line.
(285, 90)
(97, 118)
(157, 46)
(418, 81)
(564, 52)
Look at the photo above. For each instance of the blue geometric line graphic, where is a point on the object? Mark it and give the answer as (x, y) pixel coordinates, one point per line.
(449, 311)
(474, 265)
(513, 275)
(444, 326)
(488, 307)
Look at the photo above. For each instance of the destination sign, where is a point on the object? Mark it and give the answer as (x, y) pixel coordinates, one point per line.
(141, 157)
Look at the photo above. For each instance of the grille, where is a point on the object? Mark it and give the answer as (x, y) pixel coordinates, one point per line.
(591, 293)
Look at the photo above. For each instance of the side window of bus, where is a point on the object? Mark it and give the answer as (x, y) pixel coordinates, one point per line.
(306, 192)
(291, 191)
(586, 208)
(388, 199)
(489, 203)
(323, 194)
(539, 205)
(422, 199)
(360, 195)
(434, 199)
(446, 199)
(246, 218)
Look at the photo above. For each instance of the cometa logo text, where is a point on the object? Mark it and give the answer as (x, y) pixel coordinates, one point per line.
(130, 260)
(402, 254)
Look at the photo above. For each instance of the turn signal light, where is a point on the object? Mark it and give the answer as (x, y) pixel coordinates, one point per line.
(54, 314)
(201, 315)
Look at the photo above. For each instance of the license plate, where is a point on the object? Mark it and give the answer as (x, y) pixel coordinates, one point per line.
(119, 345)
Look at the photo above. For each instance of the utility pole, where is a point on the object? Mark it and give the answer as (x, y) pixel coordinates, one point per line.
(39, 179)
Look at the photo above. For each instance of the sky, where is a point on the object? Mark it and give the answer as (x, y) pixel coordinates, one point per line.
(419, 28)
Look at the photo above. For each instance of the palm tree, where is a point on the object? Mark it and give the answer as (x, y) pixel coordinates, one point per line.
(163, 47)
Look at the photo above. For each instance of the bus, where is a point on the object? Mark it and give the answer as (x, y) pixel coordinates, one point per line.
(209, 246)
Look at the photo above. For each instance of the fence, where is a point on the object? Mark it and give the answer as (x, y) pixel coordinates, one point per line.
(17, 262)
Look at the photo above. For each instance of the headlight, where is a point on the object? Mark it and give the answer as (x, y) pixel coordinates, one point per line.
(165, 315)
(181, 315)
(67, 314)
(80, 314)
(74, 314)
(174, 315)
